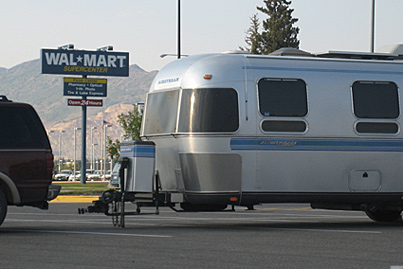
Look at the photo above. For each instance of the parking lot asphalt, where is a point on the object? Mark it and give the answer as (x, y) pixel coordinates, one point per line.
(271, 236)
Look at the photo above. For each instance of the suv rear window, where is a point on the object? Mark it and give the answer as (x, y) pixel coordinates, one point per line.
(21, 128)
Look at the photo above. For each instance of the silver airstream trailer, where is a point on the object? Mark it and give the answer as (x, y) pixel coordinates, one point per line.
(241, 129)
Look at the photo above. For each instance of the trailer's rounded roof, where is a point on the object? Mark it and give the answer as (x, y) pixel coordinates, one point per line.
(188, 72)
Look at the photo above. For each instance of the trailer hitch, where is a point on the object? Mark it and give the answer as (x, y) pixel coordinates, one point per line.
(112, 202)
(102, 205)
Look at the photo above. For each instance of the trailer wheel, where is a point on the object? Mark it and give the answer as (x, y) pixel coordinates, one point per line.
(3, 206)
(384, 215)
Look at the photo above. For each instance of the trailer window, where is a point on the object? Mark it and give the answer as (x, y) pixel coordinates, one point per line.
(283, 126)
(161, 111)
(375, 100)
(209, 110)
(282, 97)
(377, 127)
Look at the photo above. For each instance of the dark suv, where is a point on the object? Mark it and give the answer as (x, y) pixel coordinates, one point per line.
(26, 159)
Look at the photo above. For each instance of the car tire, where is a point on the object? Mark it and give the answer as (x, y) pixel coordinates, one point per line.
(3, 206)
(384, 215)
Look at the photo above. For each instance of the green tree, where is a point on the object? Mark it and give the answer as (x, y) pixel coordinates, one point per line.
(253, 38)
(113, 148)
(278, 30)
(131, 124)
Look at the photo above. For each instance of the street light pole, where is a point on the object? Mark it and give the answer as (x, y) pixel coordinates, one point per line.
(373, 27)
(179, 29)
(93, 156)
(92, 145)
(83, 141)
(74, 165)
(104, 149)
(60, 148)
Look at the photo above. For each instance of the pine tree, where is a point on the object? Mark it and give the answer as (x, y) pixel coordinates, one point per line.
(253, 37)
(278, 30)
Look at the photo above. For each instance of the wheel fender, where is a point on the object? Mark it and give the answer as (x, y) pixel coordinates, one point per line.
(8, 183)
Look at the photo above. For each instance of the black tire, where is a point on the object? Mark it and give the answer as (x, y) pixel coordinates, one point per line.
(3, 206)
(384, 215)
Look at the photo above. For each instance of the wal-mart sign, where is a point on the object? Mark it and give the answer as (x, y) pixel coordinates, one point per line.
(82, 62)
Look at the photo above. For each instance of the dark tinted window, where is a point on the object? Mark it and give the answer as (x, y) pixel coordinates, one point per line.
(21, 128)
(375, 100)
(377, 127)
(209, 110)
(160, 116)
(281, 97)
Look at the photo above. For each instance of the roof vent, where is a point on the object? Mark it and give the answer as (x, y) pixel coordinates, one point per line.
(236, 52)
(395, 49)
(357, 55)
(291, 52)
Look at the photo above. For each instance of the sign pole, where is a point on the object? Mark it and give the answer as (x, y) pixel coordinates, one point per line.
(84, 141)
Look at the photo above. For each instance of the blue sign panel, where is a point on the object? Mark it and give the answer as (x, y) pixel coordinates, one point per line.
(84, 87)
(83, 62)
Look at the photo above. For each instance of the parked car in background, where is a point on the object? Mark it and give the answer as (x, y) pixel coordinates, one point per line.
(107, 176)
(90, 174)
(63, 175)
(115, 179)
(26, 158)
(75, 176)
(95, 176)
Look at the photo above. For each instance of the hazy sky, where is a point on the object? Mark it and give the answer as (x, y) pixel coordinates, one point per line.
(148, 28)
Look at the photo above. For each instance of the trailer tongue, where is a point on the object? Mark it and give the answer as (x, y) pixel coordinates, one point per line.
(139, 186)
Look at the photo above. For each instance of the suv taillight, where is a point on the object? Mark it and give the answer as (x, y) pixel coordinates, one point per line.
(49, 163)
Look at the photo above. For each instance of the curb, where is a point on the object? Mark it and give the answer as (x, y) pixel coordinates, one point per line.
(74, 199)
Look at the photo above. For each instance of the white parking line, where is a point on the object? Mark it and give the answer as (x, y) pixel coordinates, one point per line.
(95, 221)
(330, 230)
(92, 233)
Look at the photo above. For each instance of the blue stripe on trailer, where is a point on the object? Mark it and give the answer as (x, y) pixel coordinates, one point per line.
(139, 151)
(307, 144)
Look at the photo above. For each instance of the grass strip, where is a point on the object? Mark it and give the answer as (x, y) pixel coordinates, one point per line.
(90, 188)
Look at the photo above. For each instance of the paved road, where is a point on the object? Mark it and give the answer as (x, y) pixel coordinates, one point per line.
(272, 236)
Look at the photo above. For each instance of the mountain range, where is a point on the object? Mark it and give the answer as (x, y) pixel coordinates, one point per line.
(25, 83)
